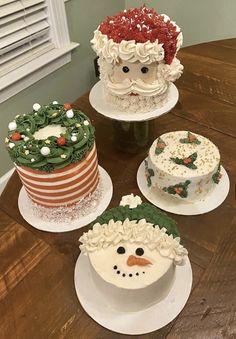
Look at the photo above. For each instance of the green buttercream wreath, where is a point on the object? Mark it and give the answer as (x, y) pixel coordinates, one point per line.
(53, 152)
(143, 211)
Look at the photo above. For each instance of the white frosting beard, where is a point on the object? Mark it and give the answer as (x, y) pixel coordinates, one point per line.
(167, 173)
(151, 89)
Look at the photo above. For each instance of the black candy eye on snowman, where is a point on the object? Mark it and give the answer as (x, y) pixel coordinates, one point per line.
(144, 69)
(139, 251)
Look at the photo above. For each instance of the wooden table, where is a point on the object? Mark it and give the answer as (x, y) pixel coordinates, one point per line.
(37, 292)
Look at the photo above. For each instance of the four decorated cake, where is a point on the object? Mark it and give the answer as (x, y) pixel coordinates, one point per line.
(137, 57)
(53, 149)
(133, 251)
(185, 165)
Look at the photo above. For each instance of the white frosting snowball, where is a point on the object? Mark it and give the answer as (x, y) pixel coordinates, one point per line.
(86, 123)
(70, 113)
(74, 138)
(12, 126)
(11, 145)
(55, 102)
(45, 150)
(36, 107)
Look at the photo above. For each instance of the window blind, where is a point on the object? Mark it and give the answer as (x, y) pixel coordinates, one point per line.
(24, 32)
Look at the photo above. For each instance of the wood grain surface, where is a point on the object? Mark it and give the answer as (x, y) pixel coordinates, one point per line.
(37, 292)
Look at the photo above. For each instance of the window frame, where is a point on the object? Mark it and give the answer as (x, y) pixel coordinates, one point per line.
(24, 76)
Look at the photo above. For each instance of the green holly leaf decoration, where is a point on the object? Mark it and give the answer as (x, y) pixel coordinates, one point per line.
(180, 189)
(188, 162)
(160, 146)
(217, 176)
(191, 139)
(148, 173)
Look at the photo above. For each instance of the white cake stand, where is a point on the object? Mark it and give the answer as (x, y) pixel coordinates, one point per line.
(145, 321)
(98, 102)
(29, 214)
(170, 204)
(132, 131)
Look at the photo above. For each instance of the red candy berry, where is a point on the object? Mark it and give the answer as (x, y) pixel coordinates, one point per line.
(61, 141)
(187, 161)
(67, 106)
(15, 136)
(178, 190)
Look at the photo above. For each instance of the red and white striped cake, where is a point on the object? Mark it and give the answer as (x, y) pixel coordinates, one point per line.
(54, 151)
(65, 186)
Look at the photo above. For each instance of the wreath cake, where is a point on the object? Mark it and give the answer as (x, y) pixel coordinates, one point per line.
(133, 250)
(53, 149)
(137, 58)
(184, 165)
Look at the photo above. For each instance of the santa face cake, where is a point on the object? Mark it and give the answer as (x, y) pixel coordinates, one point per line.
(133, 251)
(137, 57)
(54, 152)
(184, 165)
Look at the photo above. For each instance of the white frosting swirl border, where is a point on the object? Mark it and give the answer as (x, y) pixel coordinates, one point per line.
(131, 51)
(142, 232)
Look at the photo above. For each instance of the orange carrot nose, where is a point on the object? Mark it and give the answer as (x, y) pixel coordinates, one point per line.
(132, 260)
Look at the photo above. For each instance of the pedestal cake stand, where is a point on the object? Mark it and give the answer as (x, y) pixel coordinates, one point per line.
(133, 131)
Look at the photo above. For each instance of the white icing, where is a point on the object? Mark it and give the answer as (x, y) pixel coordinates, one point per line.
(167, 173)
(70, 113)
(171, 72)
(130, 200)
(50, 130)
(131, 51)
(36, 107)
(141, 232)
(45, 150)
(12, 126)
(152, 88)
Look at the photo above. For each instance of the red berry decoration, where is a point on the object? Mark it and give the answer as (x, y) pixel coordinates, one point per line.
(67, 106)
(61, 141)
(15, 136)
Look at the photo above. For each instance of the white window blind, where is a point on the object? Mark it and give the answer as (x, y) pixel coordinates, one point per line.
(24, 32)
(34, 41)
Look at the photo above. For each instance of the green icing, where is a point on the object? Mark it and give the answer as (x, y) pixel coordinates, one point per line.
(60, 155)
(160, 146)
(190, 139)
(143, 211)
(149, 173)
(180, 189)
(217, 175)
(188, 162)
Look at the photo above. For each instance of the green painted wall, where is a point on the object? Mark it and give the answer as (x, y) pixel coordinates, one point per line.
(200, 20)
(70, 81)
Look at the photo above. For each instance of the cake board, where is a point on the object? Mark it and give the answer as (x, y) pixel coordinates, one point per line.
(132, 131)
(28, 213)
(170, 204)
(96, 305)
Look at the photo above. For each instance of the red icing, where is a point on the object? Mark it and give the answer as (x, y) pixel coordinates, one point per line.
(61, 141)
(67, 106)
(142, 24)
(15, 136)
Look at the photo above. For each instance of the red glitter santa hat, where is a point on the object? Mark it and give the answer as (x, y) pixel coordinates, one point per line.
(137, 34)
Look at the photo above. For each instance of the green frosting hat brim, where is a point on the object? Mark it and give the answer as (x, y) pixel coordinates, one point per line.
(146, 211)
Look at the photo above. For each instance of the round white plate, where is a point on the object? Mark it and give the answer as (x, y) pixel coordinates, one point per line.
(27, 212)
(99, 103)
(176, 206)
(141, 322)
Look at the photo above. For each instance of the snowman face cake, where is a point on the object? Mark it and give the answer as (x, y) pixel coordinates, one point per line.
(132, 260)
(129, 265)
